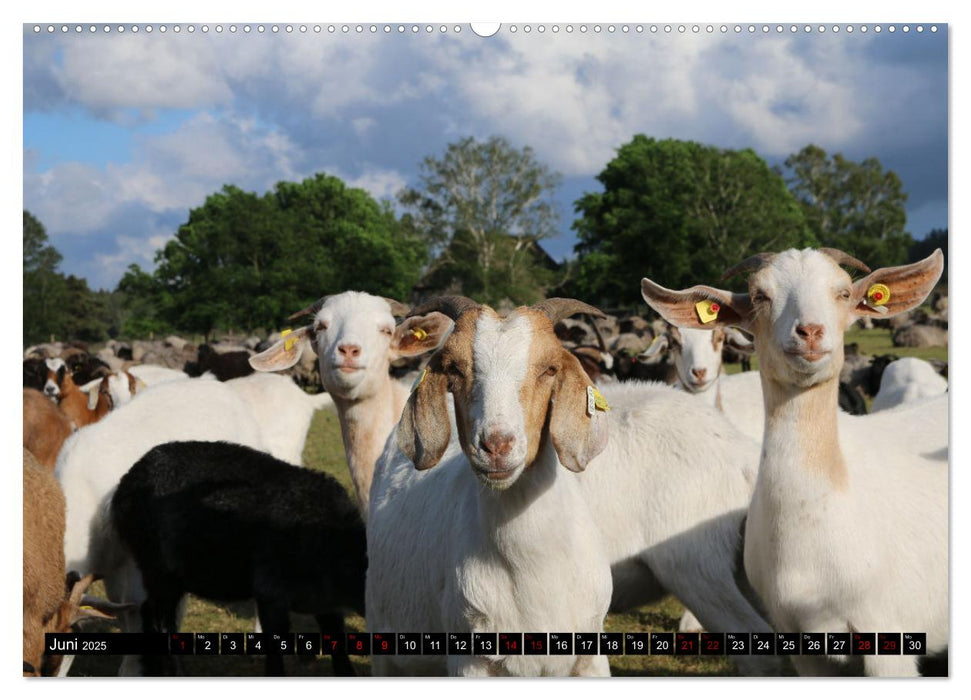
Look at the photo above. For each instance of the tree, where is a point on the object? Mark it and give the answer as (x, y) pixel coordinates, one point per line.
(680, 213)
(856, 207)
(246, 261)
(485, 206)
(921, 248)
(45, 291)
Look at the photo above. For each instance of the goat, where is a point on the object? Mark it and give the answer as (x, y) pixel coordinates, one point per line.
(93, 460)
(497, 536)
(360, 326)
(847, 529)
(46, 606)
(283, 411)
(355, 339)
(697, 358)
(35, 373)
(80, 407)
(907, 380)
(46, 427)
(227, 522)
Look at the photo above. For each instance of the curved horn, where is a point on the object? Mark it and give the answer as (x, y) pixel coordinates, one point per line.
(398, 310)
(559, 308)
(749, 264)
(312, 309)
(844, 259)
(452, 306)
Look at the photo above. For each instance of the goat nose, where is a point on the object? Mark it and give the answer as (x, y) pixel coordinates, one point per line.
(497, 444)
(348, 350)
(810, 332)
(699, 373)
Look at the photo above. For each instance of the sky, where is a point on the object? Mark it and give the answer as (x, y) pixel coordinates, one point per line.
(124, 133)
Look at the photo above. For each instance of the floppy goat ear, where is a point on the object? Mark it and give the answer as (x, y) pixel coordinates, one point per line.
(424, 429)
(578, 433)
(901, 288)
(283, 354)
(699, 306)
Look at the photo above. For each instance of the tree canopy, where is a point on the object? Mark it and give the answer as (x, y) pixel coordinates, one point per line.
(247, 261)
(485, 206)
(680, 213)
(856, 207)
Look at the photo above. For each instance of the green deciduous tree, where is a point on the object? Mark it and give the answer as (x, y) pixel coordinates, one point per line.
(485, 206)
(245, 261)
(678, 212)
(856, 207)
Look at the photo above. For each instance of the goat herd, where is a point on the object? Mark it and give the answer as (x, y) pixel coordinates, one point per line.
(752, 498)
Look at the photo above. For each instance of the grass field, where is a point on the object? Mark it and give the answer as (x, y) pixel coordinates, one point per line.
(324, 451)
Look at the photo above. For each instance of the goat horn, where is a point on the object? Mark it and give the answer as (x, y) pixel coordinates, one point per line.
(844, 259)
(312, 309)
(558, 308)
(749, 264)
(452, 306)
(398, 310)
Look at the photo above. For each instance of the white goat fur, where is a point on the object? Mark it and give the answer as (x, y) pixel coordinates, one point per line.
(94, 459)
(847, 529)
(449, 553)
(906, 380)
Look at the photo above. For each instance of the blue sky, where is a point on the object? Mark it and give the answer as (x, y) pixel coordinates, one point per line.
(123, 134)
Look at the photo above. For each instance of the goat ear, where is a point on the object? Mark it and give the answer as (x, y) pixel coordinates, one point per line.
(908, 286)
(93, 396)
(424, 429)
(420, 334)
(680, 308)
(283, 354)
(577, 436)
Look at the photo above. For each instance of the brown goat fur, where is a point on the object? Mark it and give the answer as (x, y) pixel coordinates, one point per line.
(46, 427)
(44, 575)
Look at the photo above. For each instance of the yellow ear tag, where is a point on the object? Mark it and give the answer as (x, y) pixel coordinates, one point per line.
(707, 310)
(419, 333)
(595, 401)
(877, 295)
(289, 343)
(420, 379)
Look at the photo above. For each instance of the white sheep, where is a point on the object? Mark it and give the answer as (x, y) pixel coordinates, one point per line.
(848, 527)
(906, 380)
(497, 536)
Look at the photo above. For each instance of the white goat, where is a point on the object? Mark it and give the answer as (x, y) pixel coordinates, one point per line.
(94, 459)
(906, 380)
(282, 410)
(659, 535)
(355, 339)
(847, 529)
(496, 537)
(698, 358)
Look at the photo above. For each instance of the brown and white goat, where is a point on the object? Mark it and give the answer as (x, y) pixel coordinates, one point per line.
(46, 427)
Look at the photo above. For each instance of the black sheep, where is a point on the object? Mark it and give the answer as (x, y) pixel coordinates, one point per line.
(230, 523)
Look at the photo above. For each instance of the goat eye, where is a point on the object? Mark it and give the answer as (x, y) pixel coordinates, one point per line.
(845, 294)
(550, 371)
(759, 296)
(386, 331)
